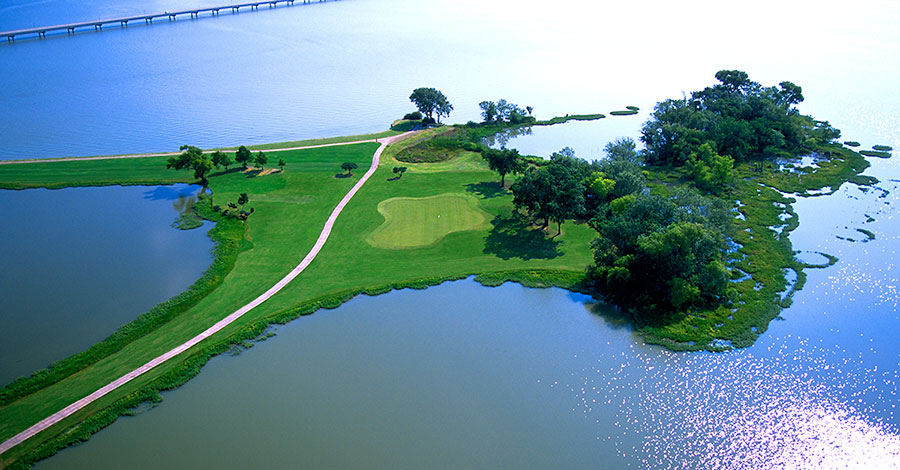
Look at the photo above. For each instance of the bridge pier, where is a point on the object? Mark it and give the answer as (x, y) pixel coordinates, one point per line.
(98, 26)
(11, 38)
(123, 23)
(42, 34)
(70, 30)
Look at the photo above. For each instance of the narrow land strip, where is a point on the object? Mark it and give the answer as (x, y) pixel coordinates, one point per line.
(169, 154)
(320, 242)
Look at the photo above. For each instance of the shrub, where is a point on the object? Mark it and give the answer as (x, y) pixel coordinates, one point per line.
(413, 116)
(882, 148)
(851, 143)
(428, 120)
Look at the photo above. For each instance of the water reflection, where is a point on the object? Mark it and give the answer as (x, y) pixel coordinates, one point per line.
(502, 138)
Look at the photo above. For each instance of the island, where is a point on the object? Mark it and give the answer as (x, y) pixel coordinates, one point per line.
(688, 237)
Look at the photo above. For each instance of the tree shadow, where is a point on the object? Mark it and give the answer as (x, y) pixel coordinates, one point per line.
(486, 189)
(342, 175)
(395, 178)
(514, 237)
(226, 172)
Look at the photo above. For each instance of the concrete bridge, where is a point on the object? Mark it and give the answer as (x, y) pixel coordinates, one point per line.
(70, 28)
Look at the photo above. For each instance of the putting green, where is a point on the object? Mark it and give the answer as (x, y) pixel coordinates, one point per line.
(416, 222)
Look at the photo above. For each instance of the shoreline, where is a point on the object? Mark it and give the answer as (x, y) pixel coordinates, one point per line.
(188, 366)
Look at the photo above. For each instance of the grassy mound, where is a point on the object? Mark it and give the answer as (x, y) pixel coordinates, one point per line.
(882, 148)
(628, 112)
(417, 222)
(632, 108)
(852, 143)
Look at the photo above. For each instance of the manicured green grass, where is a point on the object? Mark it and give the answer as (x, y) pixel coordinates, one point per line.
(291, 208)
(418, 222)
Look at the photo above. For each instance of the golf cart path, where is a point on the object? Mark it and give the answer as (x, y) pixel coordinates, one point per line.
(320, 242)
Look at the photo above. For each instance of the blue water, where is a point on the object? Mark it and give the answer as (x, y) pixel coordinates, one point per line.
(819, 389)
(78, 263)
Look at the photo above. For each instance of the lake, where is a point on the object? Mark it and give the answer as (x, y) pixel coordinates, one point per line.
(79, 263)
(466, 376)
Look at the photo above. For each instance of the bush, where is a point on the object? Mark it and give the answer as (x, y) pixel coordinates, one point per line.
(882, 148)
(428, 120)
(851, 143)
(413, 116)
(471, 147)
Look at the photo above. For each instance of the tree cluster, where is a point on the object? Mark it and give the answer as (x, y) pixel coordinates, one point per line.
(738, 118)
(194, 159)
(431, 102)
(657, 254)
(503, 111)
(503, 161)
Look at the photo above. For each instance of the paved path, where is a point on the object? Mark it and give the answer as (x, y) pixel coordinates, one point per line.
(169, 154)
(323, 237)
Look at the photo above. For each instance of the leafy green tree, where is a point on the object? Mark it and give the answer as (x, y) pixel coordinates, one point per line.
(552, 193)
(599, 186)
(242, 200)
(261, 159)
(710, 170)
(431, 103)
(281, 163)
(503, 161)
(220, 158)
(743, 119)
(622, 149)
(657, 255)
(243, 156)
(488, 111)
(192, 158)
(349, 166)
(399, 170)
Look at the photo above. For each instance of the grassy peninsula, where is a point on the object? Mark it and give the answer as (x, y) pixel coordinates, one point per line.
(445, 217)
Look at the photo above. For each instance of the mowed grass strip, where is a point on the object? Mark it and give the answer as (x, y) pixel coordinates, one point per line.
(417, 222)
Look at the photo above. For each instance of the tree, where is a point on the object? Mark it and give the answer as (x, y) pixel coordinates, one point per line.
(220, 158)
(349, 166)
(488, 110)
(552, 193)
(261, 159)
(192, 158)
(399, 170)
(243, 156)
(243, 199)
(790, 94)
(529, 109)
(431, 103)
(710, 170)
(281, 163)
(503, 161)
(657, 255)
(622, 149)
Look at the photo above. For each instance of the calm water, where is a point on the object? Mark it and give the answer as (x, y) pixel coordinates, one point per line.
(79, 263)
(466, 376)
